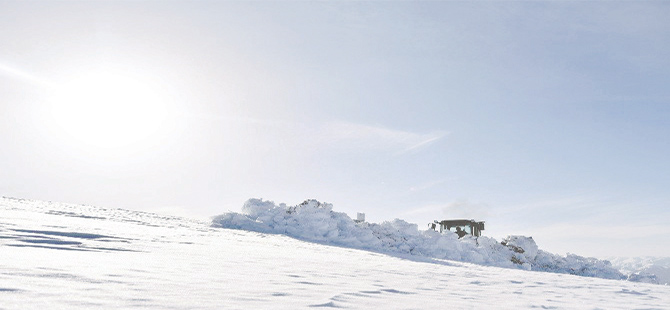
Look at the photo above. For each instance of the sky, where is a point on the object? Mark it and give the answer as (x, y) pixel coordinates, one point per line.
(547, 119)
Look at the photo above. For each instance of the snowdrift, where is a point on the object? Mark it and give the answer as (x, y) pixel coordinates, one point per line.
(655, 270)
(317, 222)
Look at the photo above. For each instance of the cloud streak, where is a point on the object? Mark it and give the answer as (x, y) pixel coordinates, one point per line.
(330, 135)
(377, 137)
(16, 73)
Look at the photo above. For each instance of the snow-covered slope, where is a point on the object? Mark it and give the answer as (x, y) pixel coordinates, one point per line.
(60, 256)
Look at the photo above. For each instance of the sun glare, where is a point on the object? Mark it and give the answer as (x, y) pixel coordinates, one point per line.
(109, 110)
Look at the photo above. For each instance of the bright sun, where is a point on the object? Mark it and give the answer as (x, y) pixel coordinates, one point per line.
(110, 109)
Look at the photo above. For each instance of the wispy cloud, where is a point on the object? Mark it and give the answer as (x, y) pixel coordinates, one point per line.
(426, 185)
(377, 137)
(16, 73)
(330, 135)
(427, 140)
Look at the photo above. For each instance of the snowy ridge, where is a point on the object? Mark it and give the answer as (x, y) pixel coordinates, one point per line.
(316, 221)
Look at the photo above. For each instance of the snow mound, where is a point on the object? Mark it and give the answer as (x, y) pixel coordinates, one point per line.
(317, 222)
(654, 270)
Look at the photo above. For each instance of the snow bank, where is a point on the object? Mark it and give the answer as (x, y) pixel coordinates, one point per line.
(316, 221)
(654, 270)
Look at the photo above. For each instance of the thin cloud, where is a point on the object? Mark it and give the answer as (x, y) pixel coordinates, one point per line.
(377, 137)
(307, 137)
(425, 142)
(426, 185)
(16, 73)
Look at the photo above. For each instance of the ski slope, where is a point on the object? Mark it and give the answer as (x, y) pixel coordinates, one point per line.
(61, 256)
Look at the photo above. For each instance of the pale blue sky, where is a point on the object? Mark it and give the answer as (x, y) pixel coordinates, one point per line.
(548, 119)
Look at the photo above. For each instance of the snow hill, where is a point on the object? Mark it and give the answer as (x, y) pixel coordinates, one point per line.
(317, 222)
(63, 256)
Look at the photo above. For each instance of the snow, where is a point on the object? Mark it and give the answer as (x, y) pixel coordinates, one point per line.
(645, 269)
(317, 222)
(62, 256)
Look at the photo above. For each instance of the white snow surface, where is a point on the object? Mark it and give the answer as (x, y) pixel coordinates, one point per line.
(317, 222)
(63, 256)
